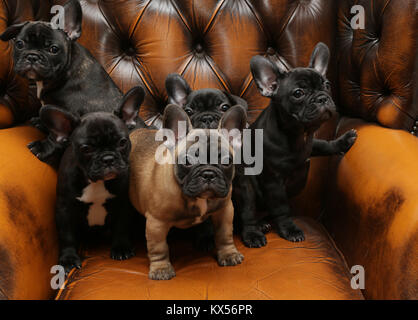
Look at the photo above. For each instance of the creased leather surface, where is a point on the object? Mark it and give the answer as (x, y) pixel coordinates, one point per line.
(373, 209)
(28, 244)
(313, 269)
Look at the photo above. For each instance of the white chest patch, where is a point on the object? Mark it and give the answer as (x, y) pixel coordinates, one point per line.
(96, 195)
(39, 87)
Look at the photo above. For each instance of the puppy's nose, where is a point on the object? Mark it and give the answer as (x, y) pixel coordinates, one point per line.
(207, 119)
(108, 159)
(32, 58)
(321, 99)
(208, 175)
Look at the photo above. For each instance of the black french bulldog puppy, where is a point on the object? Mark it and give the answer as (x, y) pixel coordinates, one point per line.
(66, 74)
(93, 177)
(205, 107)
(300, 102)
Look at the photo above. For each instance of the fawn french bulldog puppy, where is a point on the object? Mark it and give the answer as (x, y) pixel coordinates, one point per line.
(176, 193)
(65, 72)
(93, 177)
(205, 108)
(300, 102)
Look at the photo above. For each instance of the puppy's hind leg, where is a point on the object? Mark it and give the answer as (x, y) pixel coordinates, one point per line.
(252, 234)
(279, 211)
(158, 252)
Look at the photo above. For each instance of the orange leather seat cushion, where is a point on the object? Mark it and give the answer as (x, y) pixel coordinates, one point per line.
(313, 269)
(28, 242)
(6, 116)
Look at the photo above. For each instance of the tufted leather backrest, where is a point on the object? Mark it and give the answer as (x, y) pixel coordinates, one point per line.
(209, 42)
(378, 66)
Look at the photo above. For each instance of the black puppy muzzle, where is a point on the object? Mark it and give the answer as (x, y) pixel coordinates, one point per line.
(33, 65)
(107, 166)
(206, 120)
(206, 182)
(319, 109)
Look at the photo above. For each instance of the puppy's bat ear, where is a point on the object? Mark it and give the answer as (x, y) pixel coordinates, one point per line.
(320, 58)
(177, 89)
(73, 16)
(231, 125)
(60, 122)
(12, 31)
(266, 75)
(130, 106)
(236, 101)
(176, 120)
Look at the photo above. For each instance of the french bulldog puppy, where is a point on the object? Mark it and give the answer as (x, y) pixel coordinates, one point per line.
(205, 107)
(66, 74)
(93, 177)
(191, 190)
(300, 102)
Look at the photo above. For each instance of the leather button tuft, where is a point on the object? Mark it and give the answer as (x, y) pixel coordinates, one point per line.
(199, 48)
(270, 51)
(127, 48)
(130, 51)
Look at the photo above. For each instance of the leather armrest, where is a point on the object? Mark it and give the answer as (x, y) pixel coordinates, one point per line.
(28, 243)
(6, 116)
(372, 209)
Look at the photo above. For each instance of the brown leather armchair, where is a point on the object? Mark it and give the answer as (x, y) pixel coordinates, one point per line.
(360, 209)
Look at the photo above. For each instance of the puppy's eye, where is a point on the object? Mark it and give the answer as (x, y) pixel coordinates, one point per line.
(189, 112)
(224, 107)
(226, 161)
(20, 44)
(123, 143)
(190, 160)
(327, 85)
(86, 149)
(298, 93)
(54, 49)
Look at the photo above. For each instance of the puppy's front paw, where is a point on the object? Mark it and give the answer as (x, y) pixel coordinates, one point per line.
(230, 259)
(36, 122)
(70, 261)
(289, 231)
(254, 238)
(165, 272)
(346, 141)
(122, 252)
(42, 150)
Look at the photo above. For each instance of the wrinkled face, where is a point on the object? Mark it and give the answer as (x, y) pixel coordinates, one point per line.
(210, 178)
(306, 95)
(205, 107)
(40, 53)
(101, 146)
